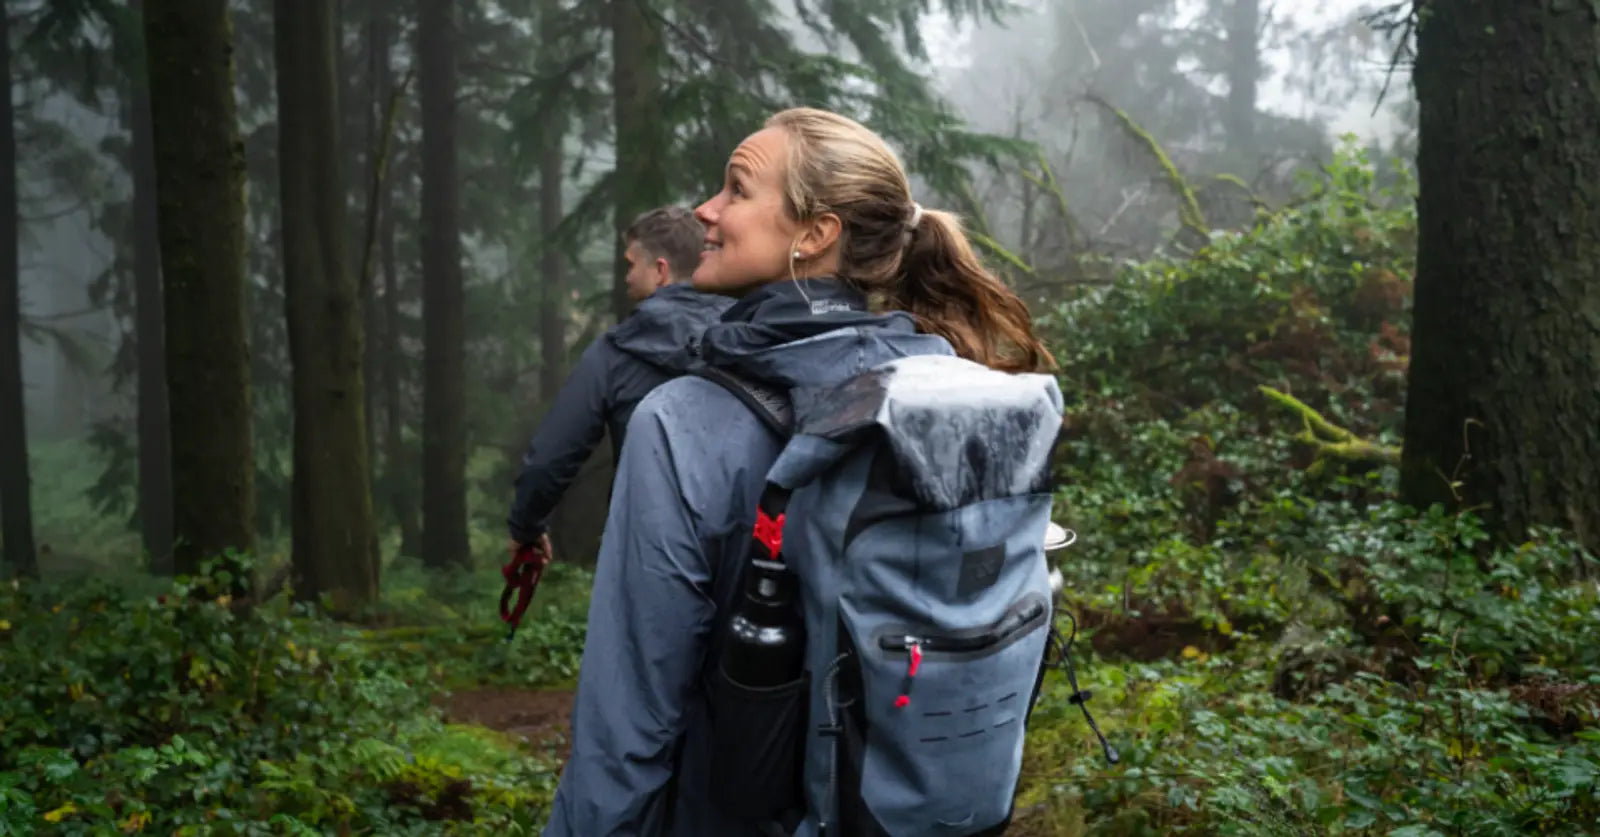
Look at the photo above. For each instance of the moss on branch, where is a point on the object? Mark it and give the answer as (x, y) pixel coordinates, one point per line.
(1330, 442)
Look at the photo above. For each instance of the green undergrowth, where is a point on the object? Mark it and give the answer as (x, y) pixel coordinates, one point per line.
(1275, 644)
(1489, 723)
(168, 712)
(449, 625)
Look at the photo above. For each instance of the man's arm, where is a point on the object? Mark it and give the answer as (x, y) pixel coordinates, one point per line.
(649, 616)
(563, 443)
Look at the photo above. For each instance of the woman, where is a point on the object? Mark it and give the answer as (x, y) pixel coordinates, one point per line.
(814, 225)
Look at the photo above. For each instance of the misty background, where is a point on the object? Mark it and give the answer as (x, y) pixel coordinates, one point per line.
(1232, 91)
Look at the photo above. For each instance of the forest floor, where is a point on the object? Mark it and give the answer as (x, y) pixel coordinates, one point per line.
(538, 717)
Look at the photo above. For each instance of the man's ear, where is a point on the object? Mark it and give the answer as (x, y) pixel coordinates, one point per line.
(819, 235)
(663, 273)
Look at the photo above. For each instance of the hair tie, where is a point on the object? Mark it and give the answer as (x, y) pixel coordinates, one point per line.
(916, 216)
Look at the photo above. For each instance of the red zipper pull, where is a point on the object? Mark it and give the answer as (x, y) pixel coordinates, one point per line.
(905, 688)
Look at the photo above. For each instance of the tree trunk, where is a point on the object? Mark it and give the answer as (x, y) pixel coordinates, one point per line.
(1244, 74)
(16, 511)
(641, 184)
(399, 474)
(335, 549)
(1503, 407)
(444, 426)
(394, 481)
(155, 441)
(377, 52)
(552, 319)
(399, 471)
(200, 174)
(553, 287)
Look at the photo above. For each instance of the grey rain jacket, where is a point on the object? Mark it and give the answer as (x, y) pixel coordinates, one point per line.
(684, 501)
(649, 346)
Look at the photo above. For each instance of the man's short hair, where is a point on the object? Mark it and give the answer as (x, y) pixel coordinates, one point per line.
(671, 233)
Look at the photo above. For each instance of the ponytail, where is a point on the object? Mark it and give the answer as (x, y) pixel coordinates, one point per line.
(837, 165)
(942, 284)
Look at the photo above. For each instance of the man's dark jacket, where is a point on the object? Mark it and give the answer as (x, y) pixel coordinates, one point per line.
(650, 346)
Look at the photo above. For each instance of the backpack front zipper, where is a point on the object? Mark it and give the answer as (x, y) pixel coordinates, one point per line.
(1010, 625)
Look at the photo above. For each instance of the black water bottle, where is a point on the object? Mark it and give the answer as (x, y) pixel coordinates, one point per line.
(758, 700)
(766, 633)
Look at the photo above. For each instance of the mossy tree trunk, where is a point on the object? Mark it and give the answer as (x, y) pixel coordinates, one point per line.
(1504, 401)
(335, 547)
(444, 421)
(200, 177)
(16, 509)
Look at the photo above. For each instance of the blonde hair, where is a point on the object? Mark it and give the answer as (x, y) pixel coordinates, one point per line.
(904, 257)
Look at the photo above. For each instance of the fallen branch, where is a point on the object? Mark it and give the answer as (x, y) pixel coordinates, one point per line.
(1330, 441)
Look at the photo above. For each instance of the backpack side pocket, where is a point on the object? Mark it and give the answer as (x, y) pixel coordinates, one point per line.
(757, 746)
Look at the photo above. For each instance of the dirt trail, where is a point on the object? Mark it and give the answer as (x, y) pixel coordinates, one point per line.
(539, 716)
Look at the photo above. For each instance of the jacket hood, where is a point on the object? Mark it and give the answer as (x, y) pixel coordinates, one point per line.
(662, 328)
(811, 333)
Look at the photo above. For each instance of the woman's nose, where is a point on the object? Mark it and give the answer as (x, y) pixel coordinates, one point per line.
(707, 212)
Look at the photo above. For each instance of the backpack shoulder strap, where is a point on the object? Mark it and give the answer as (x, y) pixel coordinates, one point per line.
(769, 403)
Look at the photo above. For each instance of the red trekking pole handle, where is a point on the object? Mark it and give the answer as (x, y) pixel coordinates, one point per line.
(522, 577)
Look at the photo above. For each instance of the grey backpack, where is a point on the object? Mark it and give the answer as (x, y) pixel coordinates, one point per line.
(913, 501)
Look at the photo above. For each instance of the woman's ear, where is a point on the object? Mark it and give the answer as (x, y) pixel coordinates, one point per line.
(818, 235)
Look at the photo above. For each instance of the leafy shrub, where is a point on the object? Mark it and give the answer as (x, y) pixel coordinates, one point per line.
(1209, 747)
(171, 713)
(1280, 649)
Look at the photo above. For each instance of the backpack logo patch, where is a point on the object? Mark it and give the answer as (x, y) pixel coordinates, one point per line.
(980, 569)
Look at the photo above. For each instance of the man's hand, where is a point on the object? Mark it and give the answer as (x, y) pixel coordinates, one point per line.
(541, 549)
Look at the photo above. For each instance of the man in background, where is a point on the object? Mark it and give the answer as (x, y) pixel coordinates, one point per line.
(617, 370)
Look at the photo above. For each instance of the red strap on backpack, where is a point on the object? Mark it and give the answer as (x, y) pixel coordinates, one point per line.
(522, 575)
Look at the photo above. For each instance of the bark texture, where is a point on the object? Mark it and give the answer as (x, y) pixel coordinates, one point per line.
(200, 179)
(16, 507)
(155, 433)
(1504, 401)
(444, 420)
(334, 543)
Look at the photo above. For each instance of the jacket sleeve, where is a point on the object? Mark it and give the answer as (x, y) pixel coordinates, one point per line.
(562, 444)
(650, 614)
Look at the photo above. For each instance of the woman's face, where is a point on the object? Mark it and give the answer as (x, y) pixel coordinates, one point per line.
(749, 237)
